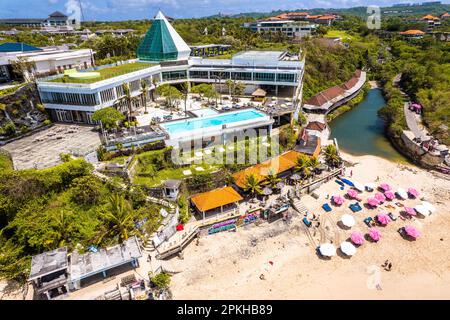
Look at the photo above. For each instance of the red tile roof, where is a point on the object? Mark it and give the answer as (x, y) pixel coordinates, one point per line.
(429, 17)
(316, 125)
(329, 94)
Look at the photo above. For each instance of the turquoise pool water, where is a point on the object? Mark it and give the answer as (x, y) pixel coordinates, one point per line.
(211, 121)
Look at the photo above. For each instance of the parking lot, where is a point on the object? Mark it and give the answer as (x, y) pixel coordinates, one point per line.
(43, 149)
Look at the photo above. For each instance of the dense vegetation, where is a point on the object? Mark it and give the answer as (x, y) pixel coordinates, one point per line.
(64, 206)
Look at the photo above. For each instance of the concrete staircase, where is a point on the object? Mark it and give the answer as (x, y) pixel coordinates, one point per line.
(299, 206)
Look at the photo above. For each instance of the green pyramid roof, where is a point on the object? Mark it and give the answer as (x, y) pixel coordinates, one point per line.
(162, 43)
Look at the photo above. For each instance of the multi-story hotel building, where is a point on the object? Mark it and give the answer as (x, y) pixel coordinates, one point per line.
(163, 57)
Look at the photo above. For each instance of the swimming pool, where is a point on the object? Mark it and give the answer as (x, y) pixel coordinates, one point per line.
(228, 118)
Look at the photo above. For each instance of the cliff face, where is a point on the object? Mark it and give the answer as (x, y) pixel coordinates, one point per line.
(21, 109)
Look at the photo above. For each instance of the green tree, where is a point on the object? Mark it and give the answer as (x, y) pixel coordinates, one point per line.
(252, 184)
(144, 94)
(272, 178)
(302, 165)
(109, 117)
(128, 100)
(332, 156)
(86, 190)
(170, 93)
(118, 218)
(161, 280)
(185, 92)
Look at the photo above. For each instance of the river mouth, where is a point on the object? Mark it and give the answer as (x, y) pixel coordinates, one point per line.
(361, 131)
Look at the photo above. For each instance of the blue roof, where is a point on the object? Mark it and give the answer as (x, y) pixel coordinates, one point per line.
(16, 47)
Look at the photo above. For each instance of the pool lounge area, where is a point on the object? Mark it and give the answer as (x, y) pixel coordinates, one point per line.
(215, 125)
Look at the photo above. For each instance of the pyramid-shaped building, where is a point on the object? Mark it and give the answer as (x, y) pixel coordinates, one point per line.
(162, 43)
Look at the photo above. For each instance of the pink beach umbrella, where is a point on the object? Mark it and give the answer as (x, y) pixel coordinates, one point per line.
(375, 234)
(385, 187)
(380, 197)
(338, 200)
(410, 211)
(373, 202)
(413, 192)
(412, 232)
(389, 195)
(383, 218)
(357, 238)
(352, 193)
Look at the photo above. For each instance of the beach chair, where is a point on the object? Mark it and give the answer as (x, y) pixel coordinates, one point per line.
(307, 222)
(369, 221)
(339, 183)
(327, 207)
(392, 216)
(355, 207)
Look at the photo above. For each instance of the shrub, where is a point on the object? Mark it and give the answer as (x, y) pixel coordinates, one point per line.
(161, 280)
(47, 122)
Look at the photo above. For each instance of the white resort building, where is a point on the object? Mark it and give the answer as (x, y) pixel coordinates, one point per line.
(164, 58)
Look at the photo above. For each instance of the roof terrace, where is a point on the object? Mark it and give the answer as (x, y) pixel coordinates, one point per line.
(106, 72)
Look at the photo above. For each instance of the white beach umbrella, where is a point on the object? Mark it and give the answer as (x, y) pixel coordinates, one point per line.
(358, 186)
(327, 249)
(423, 210)
(402, 193)
(348, 248)
(347, 220)
(429, 206)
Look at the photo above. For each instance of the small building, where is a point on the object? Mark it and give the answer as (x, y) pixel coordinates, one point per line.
(318, 129)
(216, 201)
(279, 165)
(49, 274)
(259, 95)
(172, 189)
(88, 265)
(431, 21)
(412, 34)
(308, 144)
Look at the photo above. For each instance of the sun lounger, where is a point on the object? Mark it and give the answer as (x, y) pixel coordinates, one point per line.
(327, 207)
(369, 221)
(348, 182)
(355, 207)
(339, 183)
(307, 222)
(392, 216)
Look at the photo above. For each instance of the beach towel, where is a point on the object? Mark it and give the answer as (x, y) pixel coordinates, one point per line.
(327, 207)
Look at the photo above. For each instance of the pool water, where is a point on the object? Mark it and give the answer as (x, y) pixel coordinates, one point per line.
(212, 121)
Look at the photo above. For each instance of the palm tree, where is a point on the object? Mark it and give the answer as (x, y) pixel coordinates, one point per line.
(118, 218)
(302, 165)
(332, 155)
(128, 100)
(230, 84)
(272, 178)
(60, 232)
(185, 92)
(144, 93)
(252, 184)
(313, 164)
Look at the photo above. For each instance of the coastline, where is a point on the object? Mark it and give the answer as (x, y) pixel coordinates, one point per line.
(228, 265)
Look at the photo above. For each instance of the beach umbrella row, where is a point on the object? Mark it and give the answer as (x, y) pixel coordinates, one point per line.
(373, 202)
(385, 187)
(380, 197)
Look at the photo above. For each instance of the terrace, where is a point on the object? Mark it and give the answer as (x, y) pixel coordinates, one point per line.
(105, 73)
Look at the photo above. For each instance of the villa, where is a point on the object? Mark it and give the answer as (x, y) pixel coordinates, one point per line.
(412, 34)
(164, 58)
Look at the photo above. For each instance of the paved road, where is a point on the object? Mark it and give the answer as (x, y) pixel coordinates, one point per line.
(411, 121)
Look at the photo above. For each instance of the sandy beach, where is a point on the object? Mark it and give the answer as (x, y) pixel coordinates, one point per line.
(229, 265)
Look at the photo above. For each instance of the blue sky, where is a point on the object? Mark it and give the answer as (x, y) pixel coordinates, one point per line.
(140, 9)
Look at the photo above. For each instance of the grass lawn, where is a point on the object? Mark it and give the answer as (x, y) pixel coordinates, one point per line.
(5, 163)
(108, 73)
(339, 33)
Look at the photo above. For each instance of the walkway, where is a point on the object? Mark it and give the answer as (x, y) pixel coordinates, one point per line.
(412, 120)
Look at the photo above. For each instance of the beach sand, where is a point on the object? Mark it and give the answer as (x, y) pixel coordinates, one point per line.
(229, 265)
